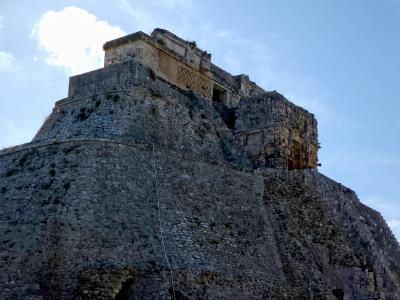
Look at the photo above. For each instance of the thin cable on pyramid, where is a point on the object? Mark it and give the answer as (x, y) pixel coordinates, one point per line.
(159, 222)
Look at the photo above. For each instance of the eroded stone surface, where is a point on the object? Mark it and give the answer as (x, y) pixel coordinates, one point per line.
(133, 183)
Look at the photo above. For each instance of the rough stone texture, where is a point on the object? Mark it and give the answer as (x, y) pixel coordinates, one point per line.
(145, 111)
(93, 204)
(77, 207)
(330, 241)
(276, 133)
(136, 189)
(181, 63)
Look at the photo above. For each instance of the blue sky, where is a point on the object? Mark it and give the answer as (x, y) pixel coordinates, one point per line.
(338, 59)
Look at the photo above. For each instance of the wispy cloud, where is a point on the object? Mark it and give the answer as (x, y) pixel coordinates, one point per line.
(7, 61)
(77, 46)
(264, 66)
(233, 51)
(147, 15)
(74, 45)
(142, 18)
(172, 4)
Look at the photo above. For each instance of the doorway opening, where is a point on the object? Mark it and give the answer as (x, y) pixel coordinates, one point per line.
(219, 94)
(125, 292)
(296, 161)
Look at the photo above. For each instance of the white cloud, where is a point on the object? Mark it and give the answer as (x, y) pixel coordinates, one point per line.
(73, 38)
(7, 61)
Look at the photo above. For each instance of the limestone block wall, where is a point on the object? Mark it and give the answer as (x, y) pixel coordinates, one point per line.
(79, 209)
(138, 51)
(248, 87)
(124, 101)
(181, 63)
(112, 77)
(371, 238)
(173, 60)
(328, 240)
(125, 48)
(129, 170)
(75, 206)
(187, 51)
(135, 108)
(276, 133)
(80, 220)
(223, 77)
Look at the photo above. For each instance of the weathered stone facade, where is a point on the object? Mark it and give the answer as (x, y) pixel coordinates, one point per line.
(181, 63)
(274, 132)
(135, 188)
(277, 133)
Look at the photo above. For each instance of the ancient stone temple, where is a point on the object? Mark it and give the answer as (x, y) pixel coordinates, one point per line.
(162, 176)
(275, 132)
